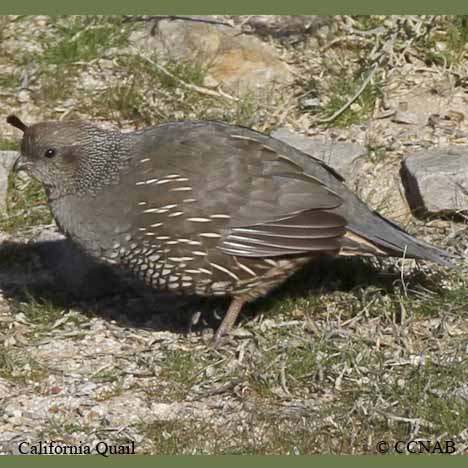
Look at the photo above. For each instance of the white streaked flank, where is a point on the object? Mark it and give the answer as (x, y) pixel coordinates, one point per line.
(225, 270)
(181, 189)
(194, 242)
(163, 181)
(246, 268)
(204, 270)
(180, 259)
(199, 220)
(212, 235)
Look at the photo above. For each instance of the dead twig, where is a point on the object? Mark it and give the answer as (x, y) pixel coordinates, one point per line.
(158, 18)
(378, 55)
(352, 99)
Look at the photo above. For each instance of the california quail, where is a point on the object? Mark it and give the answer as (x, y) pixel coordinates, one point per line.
(203, 207)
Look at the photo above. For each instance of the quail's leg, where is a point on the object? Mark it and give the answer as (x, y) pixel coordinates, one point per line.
(229, 319)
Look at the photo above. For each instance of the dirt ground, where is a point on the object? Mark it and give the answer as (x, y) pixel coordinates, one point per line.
(348, 353)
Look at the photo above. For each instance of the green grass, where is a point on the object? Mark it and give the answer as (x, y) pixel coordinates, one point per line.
(453, 40)
(148, 96)
(68, 49)
(56, 84)
(178, 367)
(83, 38)
(342, 90)
(17, 366)
(130, 99)
(119, 103)
(25, 208)
(188, 72)
(41, 312)
(176, 437)
(368, 22)
(9, 80)
(447, 412)
(8, 144)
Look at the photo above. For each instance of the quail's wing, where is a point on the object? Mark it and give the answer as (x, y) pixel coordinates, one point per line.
(238, 187)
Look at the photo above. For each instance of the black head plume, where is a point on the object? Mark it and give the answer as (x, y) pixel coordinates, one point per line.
(16, 122)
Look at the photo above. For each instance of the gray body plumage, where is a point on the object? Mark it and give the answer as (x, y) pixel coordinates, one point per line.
(204, 207)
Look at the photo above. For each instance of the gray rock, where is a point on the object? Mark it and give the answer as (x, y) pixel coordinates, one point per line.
(344, 157)
(436, 181)
(234, 61)
(309, 103)
(74, 271)
(461, 392)
(405, 117)
(7, 159)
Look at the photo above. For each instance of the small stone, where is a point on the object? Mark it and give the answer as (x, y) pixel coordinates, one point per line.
(23, 96)
(210, 82)
(405, 117)
(210, 371)
(455, 116)
(436, 181)
(461, 392)
(309, 103)
(7, 160)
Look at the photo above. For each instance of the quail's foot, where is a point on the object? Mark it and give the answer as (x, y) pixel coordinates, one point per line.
(228, 321)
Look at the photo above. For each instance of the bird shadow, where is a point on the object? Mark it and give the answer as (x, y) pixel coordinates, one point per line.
(56, 274)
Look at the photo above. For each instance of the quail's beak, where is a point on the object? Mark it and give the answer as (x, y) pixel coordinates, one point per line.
(21, 164)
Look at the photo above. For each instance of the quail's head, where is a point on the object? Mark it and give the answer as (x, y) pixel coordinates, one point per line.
(59, 154)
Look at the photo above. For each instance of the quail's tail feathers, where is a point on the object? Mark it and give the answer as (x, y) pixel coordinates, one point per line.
(373, 234)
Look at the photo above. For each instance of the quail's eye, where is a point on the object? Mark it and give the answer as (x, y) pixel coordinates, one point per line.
(49, 153)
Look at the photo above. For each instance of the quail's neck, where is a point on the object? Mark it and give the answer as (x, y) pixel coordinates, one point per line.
(106, 154)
